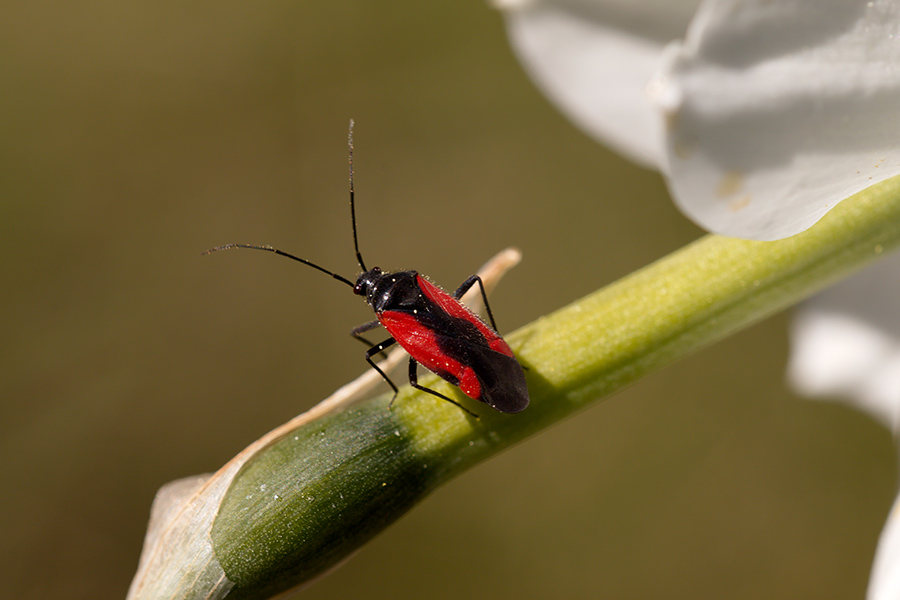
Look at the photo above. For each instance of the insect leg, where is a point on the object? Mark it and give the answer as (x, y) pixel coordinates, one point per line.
(414, 381)
(364, 327)
(375, 350)
(356, 331)
(466, 285)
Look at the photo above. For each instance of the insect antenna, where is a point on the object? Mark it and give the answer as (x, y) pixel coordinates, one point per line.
(281, 253)
(359, 259)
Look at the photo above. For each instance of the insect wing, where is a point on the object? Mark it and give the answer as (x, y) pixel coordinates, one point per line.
(421, 342)
(500, 378)
(457, 309)
(482, 373)
(489, 376)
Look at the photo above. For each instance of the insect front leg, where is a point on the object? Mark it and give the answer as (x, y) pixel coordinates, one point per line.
(414, 381)
(375, 350)
(359, 329)
(466, 286)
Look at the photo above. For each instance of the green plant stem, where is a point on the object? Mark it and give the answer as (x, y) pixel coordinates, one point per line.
(312, 498)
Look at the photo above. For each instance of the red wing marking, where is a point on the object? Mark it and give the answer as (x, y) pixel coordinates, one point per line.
(457, 309)
(470, 385)
(421, 344)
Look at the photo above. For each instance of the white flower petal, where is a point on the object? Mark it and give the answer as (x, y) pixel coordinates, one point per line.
(594, 60)
(840, 357)
(776, 111)
(771, 112)
(884, 583)
(845, 342)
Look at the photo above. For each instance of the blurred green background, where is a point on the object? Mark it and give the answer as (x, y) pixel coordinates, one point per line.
(135, 135)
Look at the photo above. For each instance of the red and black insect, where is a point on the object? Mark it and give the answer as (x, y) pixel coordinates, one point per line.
(435, 328)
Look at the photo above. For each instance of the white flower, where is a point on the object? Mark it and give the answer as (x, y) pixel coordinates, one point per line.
(762, 115)
(763, 118)
(845, 344)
